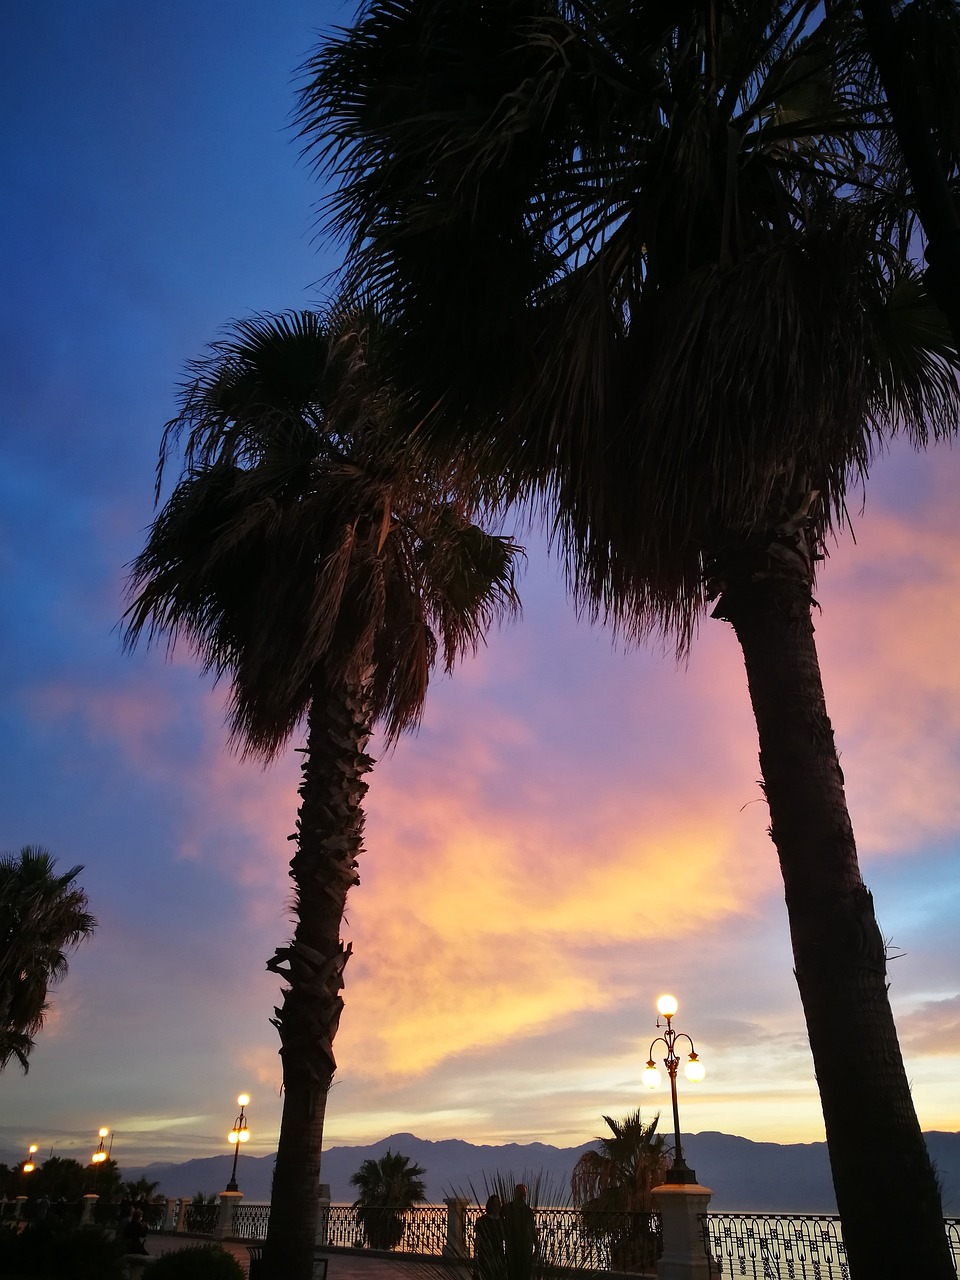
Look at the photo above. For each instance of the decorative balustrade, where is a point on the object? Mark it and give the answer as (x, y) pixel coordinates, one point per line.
(748, 1246)
(200, 1219)
(768, 1246)
(953, 1235)
(250, 1221)
(567, 1237)
(774, 1246)
(421, 1230)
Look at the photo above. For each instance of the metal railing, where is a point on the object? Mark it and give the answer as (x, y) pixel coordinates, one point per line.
(566, 1237)
(250, 1221)
(767, 1246)
(773, 1246)
(421, 1229)
(953, 1235)
(201, 1219)
(598, 1240)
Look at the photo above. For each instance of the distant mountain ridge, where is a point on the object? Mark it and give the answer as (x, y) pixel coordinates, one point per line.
(753, 1177)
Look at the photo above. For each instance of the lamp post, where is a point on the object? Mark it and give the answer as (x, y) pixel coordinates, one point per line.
(99, 1155)
(28, 1164)
(667, 1006)
(239, 1133)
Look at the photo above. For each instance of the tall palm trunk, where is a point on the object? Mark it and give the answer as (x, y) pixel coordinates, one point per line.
(887, 1191)
(329, 838)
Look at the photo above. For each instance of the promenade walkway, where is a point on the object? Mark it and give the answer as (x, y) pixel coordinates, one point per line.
(341, 1266)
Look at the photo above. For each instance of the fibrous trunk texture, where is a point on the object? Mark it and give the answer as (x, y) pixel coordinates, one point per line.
(329, 839)
(887, 1192)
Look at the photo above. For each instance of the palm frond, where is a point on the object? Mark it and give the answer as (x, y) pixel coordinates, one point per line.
(308, 542)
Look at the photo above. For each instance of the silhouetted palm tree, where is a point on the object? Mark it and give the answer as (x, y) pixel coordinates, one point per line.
(42, 916)
(612, 1187)
(386, 1187)
(324, 574)
(654, 260)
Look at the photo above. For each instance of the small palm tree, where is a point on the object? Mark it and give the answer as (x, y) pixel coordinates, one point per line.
(386, 1187)
(324, 573)
(42, 916)
(141, 1189)
(612, 1187)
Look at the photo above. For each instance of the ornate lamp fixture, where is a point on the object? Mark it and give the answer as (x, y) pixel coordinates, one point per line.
(667, 1006)
(239, 1133)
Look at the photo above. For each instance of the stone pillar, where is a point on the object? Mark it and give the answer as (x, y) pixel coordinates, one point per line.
(225, 1211)
(182, 1214)
(170, 1217)
(18, 1203)
(685, 1254)
(89, 1204)
(456, 1244)
(323, 1216)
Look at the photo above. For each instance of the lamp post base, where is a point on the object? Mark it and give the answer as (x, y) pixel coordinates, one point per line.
(680, 1176)
(685, 1256)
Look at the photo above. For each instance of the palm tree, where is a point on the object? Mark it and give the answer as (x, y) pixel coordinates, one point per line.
(613, 1189)
(909, 49)
(140, 1189)
(654, 260)
(42, 916)
(386, 1187)
(324, 574)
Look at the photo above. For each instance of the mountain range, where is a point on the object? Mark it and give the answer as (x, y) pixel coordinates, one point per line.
(752, 1177)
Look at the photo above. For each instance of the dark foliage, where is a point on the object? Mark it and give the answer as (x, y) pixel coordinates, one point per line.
(198, 1262)
(55, 1250)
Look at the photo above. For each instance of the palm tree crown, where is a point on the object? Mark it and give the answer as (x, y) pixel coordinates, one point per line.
(301, 541)
(43, 915)
(393, 1182)
(636, 193)
(622, 1172)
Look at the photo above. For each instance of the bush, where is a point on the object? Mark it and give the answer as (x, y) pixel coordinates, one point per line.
(52, 1250)
(197, 1262)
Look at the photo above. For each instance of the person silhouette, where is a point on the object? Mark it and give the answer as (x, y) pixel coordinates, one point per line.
(135, 1233)
(489, 1262)
(519, 1235)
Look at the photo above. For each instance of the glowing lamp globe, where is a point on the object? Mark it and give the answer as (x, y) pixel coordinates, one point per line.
(29, 1167)
(667, 1005)
(243, 1100)
(651, 1076)
(103, 1132)
(694, 1070)
(32, 1149)
(244, 1135)
(233, 1136)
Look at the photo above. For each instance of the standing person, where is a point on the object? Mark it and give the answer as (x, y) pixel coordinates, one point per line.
(489, 1262)
(123, 1218)
(519, 1235)
(135, 1233)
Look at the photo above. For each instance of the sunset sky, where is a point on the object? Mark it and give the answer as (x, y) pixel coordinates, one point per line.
(575, 829)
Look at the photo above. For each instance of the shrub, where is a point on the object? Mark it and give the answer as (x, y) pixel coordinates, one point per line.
(197, 1262)
(52, 1250)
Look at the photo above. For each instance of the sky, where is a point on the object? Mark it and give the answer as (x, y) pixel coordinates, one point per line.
(575, 829)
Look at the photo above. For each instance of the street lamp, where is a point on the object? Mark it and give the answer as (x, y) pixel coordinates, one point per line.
(239, 1133)
(28, 1164)
(667, 1007)
(100, 1155)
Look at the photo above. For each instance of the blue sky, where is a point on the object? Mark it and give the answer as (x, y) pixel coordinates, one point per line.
(574, 829)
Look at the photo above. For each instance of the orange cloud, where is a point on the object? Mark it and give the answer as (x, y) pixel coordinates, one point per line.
(932, 1029)
(888, 635)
